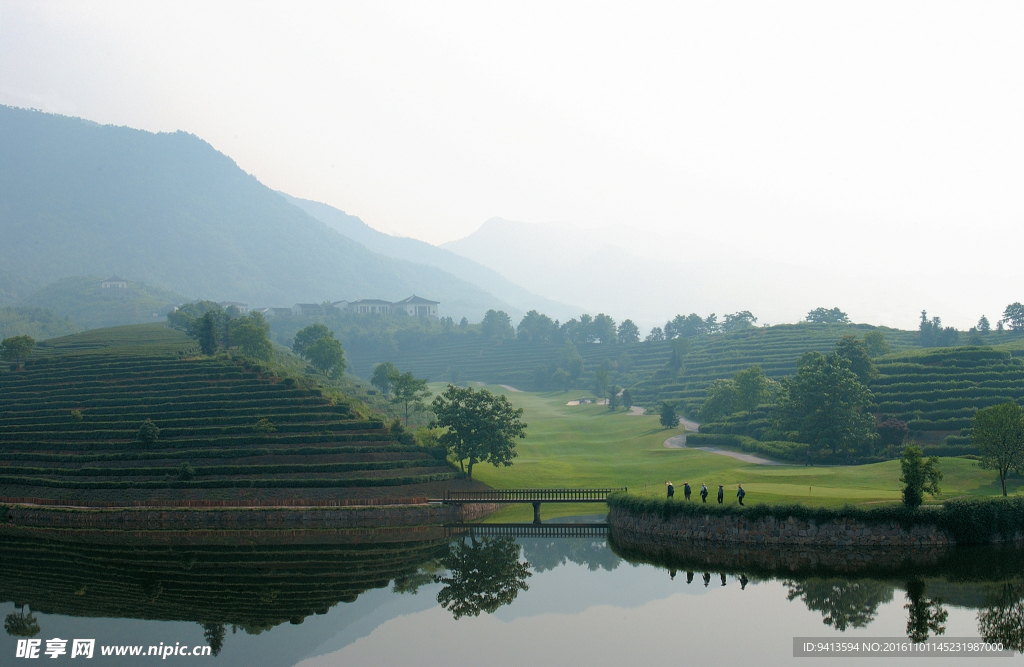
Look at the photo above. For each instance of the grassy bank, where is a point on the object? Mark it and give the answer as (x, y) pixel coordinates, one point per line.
(587, 445)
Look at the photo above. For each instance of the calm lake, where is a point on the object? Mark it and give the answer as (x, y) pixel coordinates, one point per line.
(431, 597)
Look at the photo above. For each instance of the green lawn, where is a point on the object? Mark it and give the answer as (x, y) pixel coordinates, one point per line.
(586, 445)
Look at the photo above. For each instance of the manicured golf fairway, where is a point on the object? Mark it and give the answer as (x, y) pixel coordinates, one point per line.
(589, 446)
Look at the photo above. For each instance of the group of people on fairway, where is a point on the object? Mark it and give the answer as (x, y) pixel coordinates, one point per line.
(740, 493)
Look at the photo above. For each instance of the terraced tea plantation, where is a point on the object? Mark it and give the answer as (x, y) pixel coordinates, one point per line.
(937, 391)
(70, 428)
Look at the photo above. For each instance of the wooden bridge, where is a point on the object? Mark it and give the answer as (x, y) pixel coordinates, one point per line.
(527, 530)
(532, 496)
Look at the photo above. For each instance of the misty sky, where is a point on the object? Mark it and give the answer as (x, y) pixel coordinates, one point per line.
(877, 141)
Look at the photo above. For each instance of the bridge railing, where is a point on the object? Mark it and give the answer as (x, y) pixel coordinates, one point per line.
(531, 495)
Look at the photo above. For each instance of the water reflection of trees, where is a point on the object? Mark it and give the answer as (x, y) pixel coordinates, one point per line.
(21, 624)
(482, 575)
(925, 615)
(843, 604)
(1002, 619)
(990, 579)
(547, 554)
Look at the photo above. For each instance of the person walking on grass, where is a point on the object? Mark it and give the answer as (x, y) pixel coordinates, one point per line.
(686, 491)
(671, 490)
(703, 492)
(721, 494)
(740, 493)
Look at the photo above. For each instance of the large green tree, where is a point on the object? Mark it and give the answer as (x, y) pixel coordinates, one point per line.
(753, 388)
(852, 349)
(998, 431)
(481, 427)
(249, 334)
(825, 406)
(1014, 315)
(497, 325)
(307, 336)
(629, 332)
(16, 348)
(409, 392)
(384, 377)
(827, 316)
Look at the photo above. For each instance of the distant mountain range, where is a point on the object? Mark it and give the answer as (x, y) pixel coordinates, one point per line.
(421, 252)
(78, 199)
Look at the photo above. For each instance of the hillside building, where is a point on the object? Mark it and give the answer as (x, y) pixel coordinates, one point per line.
(378, 306)
(115, 283)
(308, 310)
(417, 306)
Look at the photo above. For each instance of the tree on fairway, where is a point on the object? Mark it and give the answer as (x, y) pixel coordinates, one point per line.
(307, 336)
(601, 376)
(327, 356)
(998, 431)
(384, 377)
(16, 348)
(561, 379)
(409, 392)
(824, 405)
(149, 432)
(481, 576)
(481, 427)
(627, 399)
(920, 476)
(613, 397)
(1014, 316)
(667, 412)
(629, 332)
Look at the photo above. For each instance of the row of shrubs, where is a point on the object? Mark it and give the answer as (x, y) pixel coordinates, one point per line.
(780, 449)
(244, 441)
(248, 469)
(230, 483)
(211, 453)
(967, 521)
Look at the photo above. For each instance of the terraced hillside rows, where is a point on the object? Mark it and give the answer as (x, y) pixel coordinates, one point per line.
(255, 587)
(707, 358)
(70, 420)
(775, 349)
(938, 391)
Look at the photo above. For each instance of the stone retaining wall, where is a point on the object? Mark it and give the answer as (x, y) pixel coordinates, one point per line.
(150, 519)
(737, 529)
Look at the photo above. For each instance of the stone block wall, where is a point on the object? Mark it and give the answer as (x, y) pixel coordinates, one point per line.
(737, 529)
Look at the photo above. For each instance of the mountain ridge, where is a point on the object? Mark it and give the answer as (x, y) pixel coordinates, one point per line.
(79, 198)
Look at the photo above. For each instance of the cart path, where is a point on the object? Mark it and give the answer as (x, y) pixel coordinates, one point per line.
(679, 442)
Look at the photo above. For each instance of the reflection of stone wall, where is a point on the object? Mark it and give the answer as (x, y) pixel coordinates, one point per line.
(777, 559)
(737, 529)
(248, 518)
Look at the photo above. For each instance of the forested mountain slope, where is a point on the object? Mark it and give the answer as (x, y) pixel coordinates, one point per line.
(78, 198)
(421, 252)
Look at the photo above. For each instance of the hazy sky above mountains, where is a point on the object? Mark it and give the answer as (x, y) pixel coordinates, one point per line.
(857, 139)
